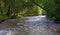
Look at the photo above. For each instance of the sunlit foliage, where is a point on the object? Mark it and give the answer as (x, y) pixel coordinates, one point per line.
(18, 8)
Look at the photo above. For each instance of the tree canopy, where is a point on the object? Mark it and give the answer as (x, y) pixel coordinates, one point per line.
(18, 8)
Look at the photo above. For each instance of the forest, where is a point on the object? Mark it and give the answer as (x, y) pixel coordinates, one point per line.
(29, 17)
(10, 9)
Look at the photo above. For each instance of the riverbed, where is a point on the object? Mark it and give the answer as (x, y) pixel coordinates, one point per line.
(34, 25)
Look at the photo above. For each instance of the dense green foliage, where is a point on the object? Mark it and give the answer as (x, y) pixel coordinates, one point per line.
(53, 9)
(18, 8)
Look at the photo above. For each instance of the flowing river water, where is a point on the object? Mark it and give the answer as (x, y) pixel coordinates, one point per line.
(34, 25)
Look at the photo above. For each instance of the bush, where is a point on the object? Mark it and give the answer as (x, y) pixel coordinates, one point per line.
(3, 18)
(53, 9)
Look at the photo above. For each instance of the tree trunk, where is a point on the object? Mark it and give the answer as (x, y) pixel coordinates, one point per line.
(9, 12)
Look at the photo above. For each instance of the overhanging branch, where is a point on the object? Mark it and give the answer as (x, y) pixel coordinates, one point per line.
(38, 5)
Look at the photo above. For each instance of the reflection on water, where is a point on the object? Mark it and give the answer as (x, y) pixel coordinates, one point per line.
(36, 25)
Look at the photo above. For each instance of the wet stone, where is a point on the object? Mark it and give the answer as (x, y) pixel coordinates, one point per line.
(36, 25)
